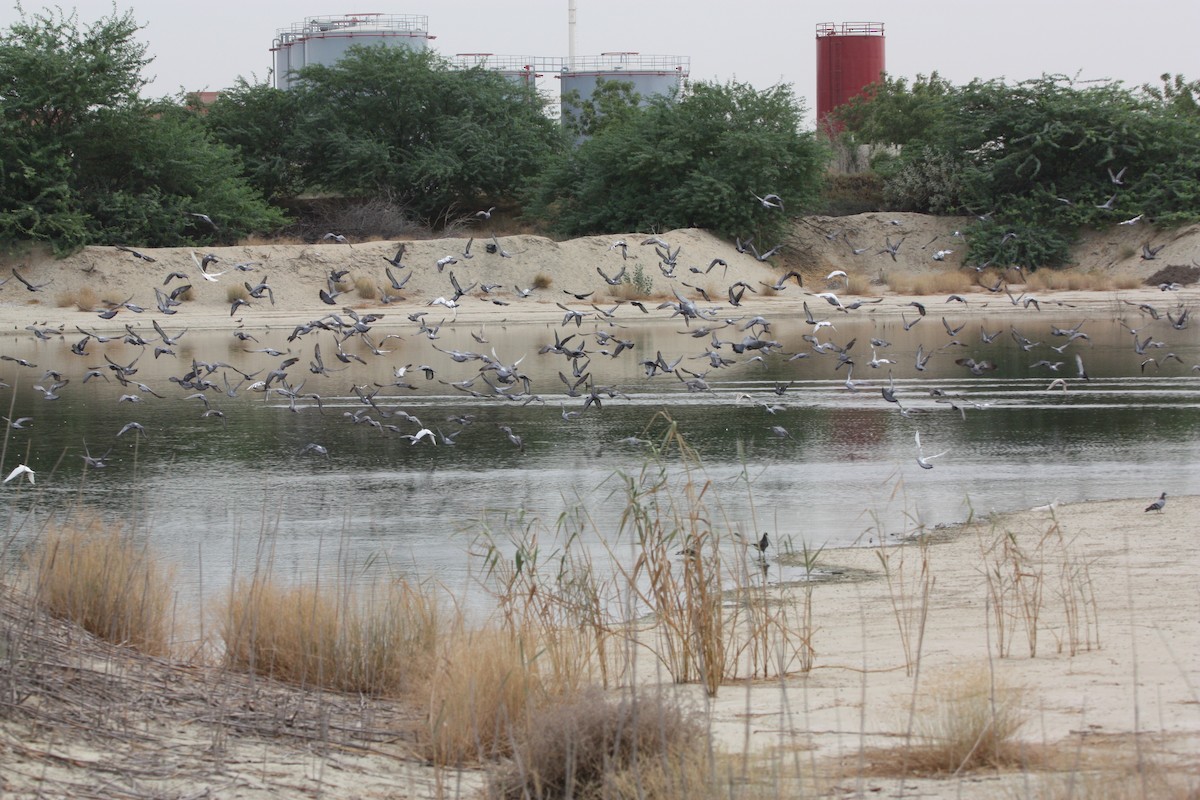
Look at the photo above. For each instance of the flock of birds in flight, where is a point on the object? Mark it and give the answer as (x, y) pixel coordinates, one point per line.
(727, 337)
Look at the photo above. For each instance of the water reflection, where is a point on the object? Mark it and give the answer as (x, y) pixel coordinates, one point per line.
(217, 493)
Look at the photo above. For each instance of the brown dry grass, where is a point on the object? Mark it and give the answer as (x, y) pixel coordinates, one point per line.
(626, 291)
(380, 641)
(860, 285)
(84, 298)
(105, 581)
(542, 281)
(365, 288)
(481, 694)
(1070, 280)
(930, 283)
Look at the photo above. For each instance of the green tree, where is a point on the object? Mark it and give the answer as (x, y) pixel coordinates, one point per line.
(1177, 93)
(696, 159)
(406, 124)
(83, 159)
(258, 121)
(1036, 160)
(892, 112)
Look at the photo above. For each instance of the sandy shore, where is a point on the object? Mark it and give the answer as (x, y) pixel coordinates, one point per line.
(884, 640)
(1118, 585)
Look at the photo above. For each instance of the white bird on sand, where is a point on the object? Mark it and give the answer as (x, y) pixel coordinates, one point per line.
(18, 471)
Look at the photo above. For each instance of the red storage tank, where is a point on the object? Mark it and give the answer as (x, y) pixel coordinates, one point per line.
(849, 58)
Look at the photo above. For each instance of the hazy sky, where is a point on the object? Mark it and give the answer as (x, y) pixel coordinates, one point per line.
(762, 42)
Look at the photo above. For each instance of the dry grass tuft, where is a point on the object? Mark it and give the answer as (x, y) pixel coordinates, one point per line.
(860, 285)
(1126, 282)
(967, 721)
(377, 642)
(84, 298)
(930, 283)
(236, 291)
(596, 746)
(365, 288)
(626, 291)
(1066, 280)
(98, 577)
(480, 695)
(542, 281)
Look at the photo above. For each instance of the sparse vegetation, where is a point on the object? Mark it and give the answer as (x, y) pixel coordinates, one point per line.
(640, 284)
(1020, 570)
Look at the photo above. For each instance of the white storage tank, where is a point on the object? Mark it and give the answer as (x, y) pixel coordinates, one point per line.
(324, 40)
(650, 75)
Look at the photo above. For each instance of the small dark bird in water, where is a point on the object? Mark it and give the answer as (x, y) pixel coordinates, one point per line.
(761, 545)
(1158, 504)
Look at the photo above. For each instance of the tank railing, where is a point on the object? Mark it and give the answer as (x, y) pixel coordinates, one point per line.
(409, 23)
(849, 29)
(508, 63)
(633, 62)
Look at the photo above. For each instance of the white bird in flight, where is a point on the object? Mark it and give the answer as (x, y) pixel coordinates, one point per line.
(922, 459)
(770, 201)
(18, 471)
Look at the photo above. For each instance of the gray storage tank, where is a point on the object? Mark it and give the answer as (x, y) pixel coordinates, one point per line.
(324, 40)
(650, 75)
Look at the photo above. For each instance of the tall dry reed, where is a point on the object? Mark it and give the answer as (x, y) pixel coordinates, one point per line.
(379, 640)
(103, 579)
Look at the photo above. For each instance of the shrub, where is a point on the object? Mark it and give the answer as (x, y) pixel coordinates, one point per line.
(596, 746)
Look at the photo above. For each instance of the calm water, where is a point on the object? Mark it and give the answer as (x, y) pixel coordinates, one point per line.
(216, 493)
